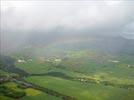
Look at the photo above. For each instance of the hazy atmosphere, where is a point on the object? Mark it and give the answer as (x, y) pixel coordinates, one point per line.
(61, 20)
(67, 50)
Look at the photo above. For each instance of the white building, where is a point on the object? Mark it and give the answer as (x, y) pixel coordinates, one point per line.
(114, 61)
(57, 60)
(21, 61)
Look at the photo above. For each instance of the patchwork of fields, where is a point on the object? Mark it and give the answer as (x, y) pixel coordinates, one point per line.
(73, 75)
(81, 75)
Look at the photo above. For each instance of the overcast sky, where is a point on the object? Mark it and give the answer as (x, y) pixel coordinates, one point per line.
(23, 18)
(103, 15)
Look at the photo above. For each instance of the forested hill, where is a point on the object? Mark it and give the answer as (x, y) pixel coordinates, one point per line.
(8, 64)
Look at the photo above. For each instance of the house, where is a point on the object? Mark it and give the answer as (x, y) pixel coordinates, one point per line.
(114, 61)
(21, 61)
(57, 60)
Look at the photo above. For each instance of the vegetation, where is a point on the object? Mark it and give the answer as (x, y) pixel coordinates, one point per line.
(82, 90)
(11, 90)
(80, 75)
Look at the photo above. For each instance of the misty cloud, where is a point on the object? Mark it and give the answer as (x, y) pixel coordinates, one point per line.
(75, 15)
(55, 20)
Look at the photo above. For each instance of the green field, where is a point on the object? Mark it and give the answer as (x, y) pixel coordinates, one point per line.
(82, 91)
(83, 75)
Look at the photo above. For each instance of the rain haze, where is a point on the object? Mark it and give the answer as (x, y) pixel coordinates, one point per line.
(61, 20)
(67, 50)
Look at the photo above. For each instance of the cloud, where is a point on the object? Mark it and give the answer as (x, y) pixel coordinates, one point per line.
(128, 31)
(70, 15)
(21, 19)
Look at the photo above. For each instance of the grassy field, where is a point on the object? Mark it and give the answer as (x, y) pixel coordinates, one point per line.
(82, 91)
(67, 76)
(113, 72)
(34, 67)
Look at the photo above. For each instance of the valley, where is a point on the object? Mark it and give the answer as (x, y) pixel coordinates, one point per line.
(75, 76)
